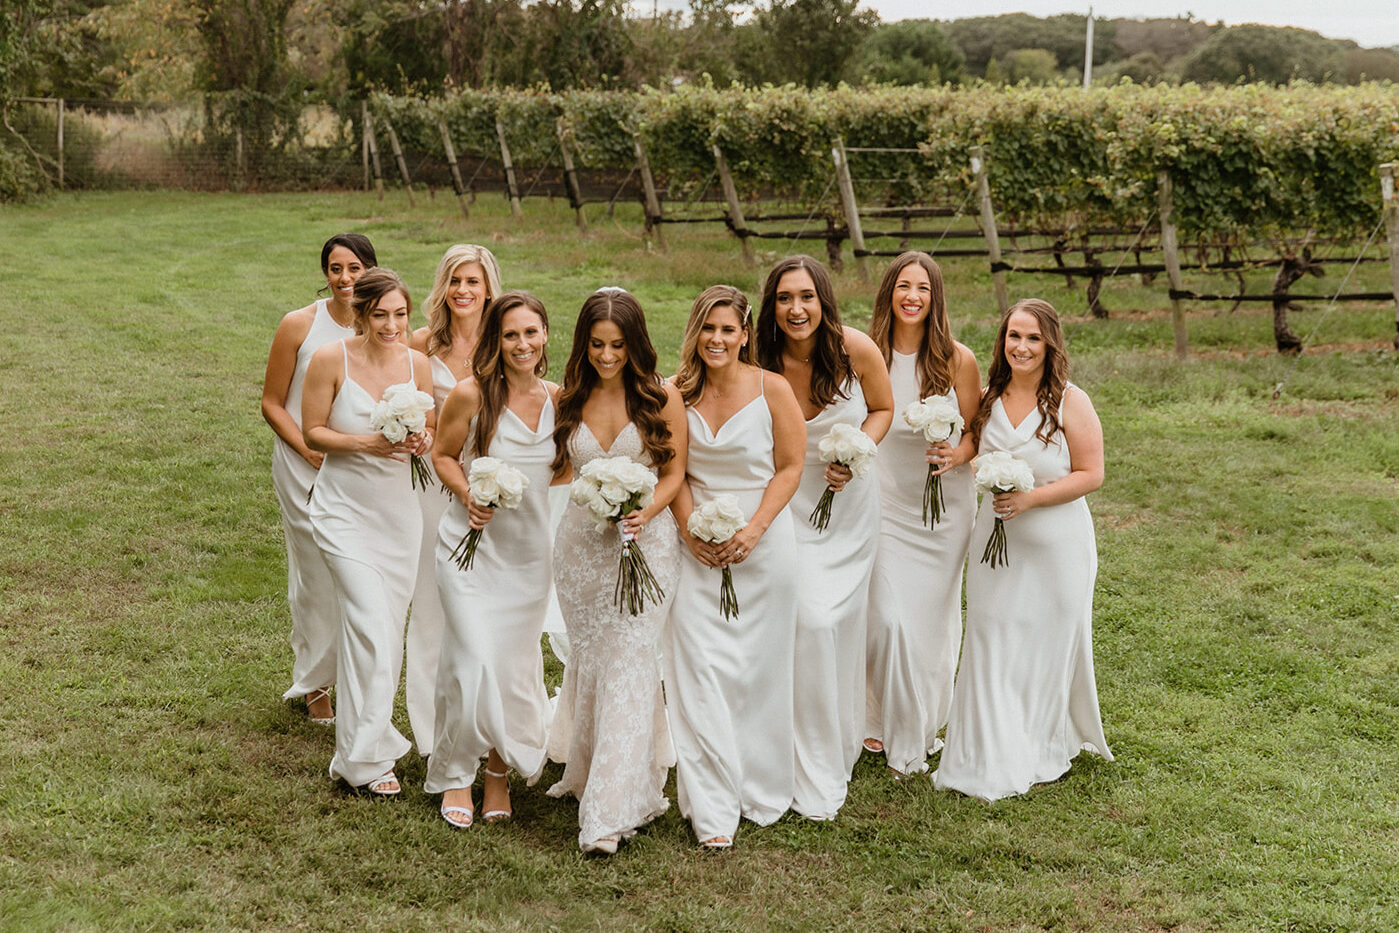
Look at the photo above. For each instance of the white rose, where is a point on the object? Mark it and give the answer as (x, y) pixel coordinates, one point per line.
(512, 485)
(848, 445)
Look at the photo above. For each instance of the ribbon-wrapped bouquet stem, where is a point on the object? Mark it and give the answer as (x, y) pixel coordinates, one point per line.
(611, 488)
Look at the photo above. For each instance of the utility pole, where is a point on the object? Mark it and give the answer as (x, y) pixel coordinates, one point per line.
(1088, 53)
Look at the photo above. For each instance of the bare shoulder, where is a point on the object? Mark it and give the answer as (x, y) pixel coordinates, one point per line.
(295, 325)
(419, 339)
(861, 346)
(1078, 408)
(552, 388)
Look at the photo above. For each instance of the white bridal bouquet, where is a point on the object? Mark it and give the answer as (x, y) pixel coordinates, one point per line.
(610, 488)
(850, 447)
(1001, 471)
(936, 418)
(494, 484)
(717, 521)
(401, 412)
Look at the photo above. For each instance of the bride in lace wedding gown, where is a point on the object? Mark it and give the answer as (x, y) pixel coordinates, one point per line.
(610, 726)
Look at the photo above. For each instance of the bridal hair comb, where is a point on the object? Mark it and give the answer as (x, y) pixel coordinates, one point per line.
(612, 290)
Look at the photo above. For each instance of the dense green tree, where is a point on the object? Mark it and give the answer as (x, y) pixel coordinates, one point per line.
(983, 38)
(1369, 65)
(1034, 66)
(1263, 53)
(1141, 68)
(907, 52)
(807, 42)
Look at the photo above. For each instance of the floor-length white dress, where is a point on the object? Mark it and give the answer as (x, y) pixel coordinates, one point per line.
(915, 616)
(315, 624)
(367, 524)
(609, 726)
(1026, 701)
(490, 677)
(426, 618)
(728, 684)
(833, 576)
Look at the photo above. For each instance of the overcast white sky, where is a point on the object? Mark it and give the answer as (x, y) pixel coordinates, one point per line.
(1371, 23)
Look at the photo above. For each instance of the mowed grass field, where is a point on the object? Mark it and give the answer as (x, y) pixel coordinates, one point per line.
(1246, 625)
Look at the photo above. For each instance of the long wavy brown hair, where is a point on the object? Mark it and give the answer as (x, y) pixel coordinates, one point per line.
(937, 352)
(690, 376)
(488, 364)
(1052, 382)
(439, 313)
(370, 289)
(830, 364)
(645, 390)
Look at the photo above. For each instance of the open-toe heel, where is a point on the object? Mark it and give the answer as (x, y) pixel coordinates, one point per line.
(315, 696)
(497, 815)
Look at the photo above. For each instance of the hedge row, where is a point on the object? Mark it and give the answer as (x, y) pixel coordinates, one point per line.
(1248, 161)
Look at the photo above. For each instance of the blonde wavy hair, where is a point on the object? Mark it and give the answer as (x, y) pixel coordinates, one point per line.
(439, 314)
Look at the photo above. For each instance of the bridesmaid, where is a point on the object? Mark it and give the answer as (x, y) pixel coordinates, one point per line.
(315, 626)
(1025, 703)
(491, 700)
(366, 520)
(915, 615)
(610, 724)
(837, 375)
(729, 681)
(467, 279)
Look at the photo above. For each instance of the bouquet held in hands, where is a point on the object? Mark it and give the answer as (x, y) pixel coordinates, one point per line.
(844, 445)
(611, 488)
(401, 412)
(997, 472)
(935, 418)
(717, 521)
(494, 484)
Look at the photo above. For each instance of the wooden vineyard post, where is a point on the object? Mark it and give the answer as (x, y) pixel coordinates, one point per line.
(398, 157)
(60, 141)
(451, 152)
(364, 139)
(374, 154)
(726, 181)
(1388, 171)
(852, 208)
(988, 228)
(510, 185)
(238, 170)
(653, 200)
(1171, 250)
(570, 177)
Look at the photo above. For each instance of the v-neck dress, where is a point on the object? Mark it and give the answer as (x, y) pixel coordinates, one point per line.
(490, 675)
(367, 524)
(1026, 703)
(729, 681)
(610, 725)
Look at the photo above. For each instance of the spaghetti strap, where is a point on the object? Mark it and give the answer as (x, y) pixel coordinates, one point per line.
(762, 383)
(345, 355)
(411, 377)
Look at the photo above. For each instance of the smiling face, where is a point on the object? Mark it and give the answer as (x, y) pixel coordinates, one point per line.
(388, 321)
(913, 296)
(797, 306)
(467, 289)
(523, 336)
(1025, 348)
(722, 336)
(607, 350)
(342, 269)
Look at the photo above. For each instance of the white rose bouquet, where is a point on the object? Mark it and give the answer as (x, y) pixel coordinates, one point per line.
(401, 412)
(717, 521)
(1001, 471)
(494, 484)
(848, 446)
(935, 417)
(610, 488)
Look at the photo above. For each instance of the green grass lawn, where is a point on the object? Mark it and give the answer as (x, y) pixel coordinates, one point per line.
(1247, 623)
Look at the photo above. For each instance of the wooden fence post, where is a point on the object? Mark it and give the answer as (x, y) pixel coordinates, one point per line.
(570, 177)
(238, 172)
(852, 208)
(1170, 249)
(60, 141)
(653, 200)
(451, 151)
(740, 226)
(398, 157)
(988, 228)
(374, 154)
(364, 140)
(1388, 171)
(514, 189)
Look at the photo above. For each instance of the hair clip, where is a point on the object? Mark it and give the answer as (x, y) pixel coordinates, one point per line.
(612, 290)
